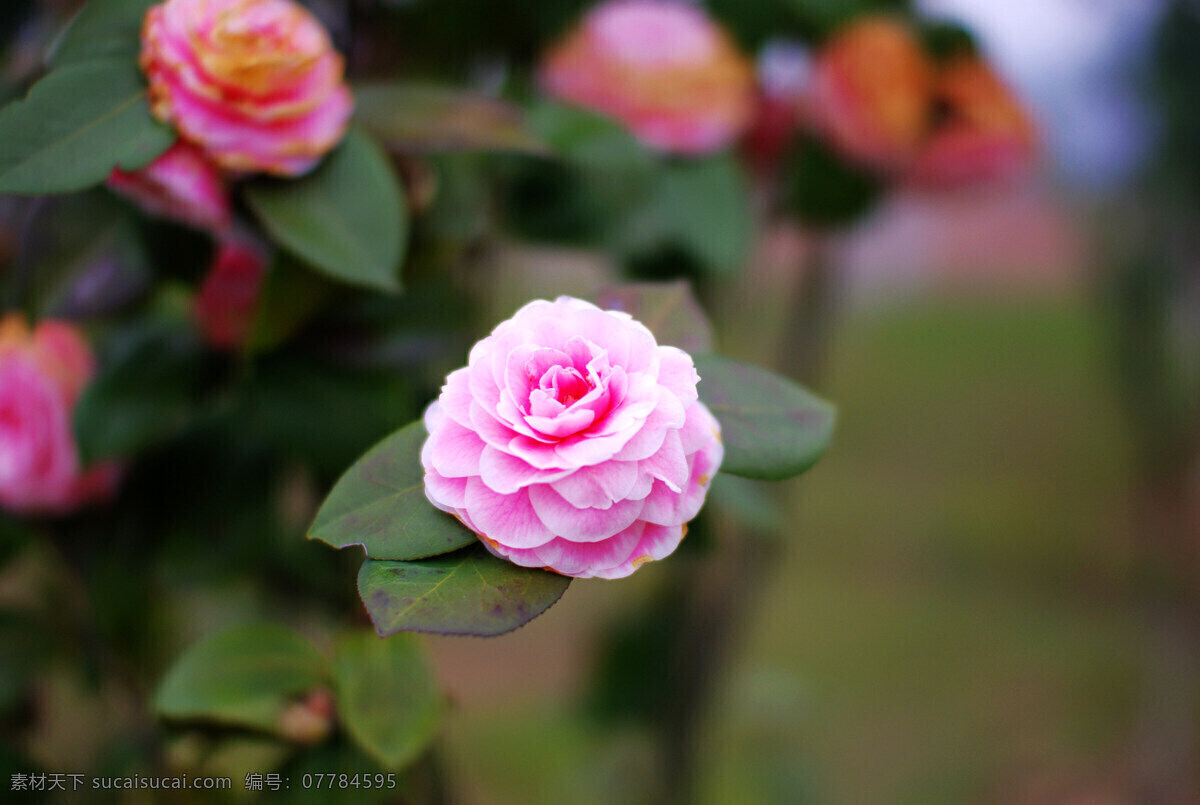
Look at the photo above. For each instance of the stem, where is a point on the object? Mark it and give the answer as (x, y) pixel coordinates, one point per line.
(719, 600)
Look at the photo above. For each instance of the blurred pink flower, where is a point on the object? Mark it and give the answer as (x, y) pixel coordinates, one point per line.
(662, 68)
(181, 184)
(42, 373)
(255, 83)
(228, 298)
(572, 441)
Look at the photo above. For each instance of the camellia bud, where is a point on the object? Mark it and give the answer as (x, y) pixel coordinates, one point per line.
(182, 185)
(310, 720)
(228, 299)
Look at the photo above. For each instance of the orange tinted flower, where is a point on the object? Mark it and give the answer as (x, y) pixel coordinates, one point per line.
(984, 133)
(871, 92)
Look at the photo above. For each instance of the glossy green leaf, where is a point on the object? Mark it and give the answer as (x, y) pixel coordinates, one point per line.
(420, 118)
(469, 592)
(388, 698)
(588, 140)
(290, 295)
(141, 396)
(380, 504)
(103, 29)
(347, 218)
(668, 309)
(243, 677)
(75, 126)
(772, 428)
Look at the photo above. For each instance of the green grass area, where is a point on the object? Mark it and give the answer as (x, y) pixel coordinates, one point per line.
(953, 615)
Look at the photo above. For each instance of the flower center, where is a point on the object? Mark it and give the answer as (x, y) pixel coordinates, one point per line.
(565, 384)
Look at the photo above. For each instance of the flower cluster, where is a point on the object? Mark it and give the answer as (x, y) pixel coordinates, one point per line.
(882, 101)
(662, 68)
(42, 373)
(572, 441)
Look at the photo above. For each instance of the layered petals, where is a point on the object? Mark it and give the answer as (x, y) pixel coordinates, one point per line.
(256, 84)
(572, 441)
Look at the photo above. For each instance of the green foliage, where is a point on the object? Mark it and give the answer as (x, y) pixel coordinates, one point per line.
(822, 189)
(81, 255)
(772, 429)
(387, 696)
(702, 207)
(242, 677)
(668, 309)
(75, 126)
(103, 29)
(818, 18)
(469, 592)
(144, 394)
(380, 504)
(347, 219)
(588, 140)
(319, 412)
(422, 118)
(290, 295)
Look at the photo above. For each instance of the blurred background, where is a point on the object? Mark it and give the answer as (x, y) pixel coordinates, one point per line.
(988, 590)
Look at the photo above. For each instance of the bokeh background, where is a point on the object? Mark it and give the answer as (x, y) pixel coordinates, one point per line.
(984, 592)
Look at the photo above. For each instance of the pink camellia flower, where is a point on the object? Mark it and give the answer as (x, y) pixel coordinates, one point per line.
(228, 298)
(42, 374)
(871, 90)
(662, 68)
(572, 441)
(255, 83)
(984, 135)
(181, 184)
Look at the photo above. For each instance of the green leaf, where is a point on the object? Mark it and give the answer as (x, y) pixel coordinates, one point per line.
(703, 207)
(668, 309)
(380, 503)
(772, 428)
(347, 218)
(388, 698)
(142, 396)
(588, 140)
(823, 189)
(103, 29)
(421, 118)
(244, 677)
(75, 126)
(469, 592)
(290, 295)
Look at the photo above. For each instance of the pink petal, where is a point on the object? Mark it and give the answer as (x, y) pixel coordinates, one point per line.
(581, 525)
(506, 474)
(669, 464)
(600, 486)
(508, 519)
(657, 542)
